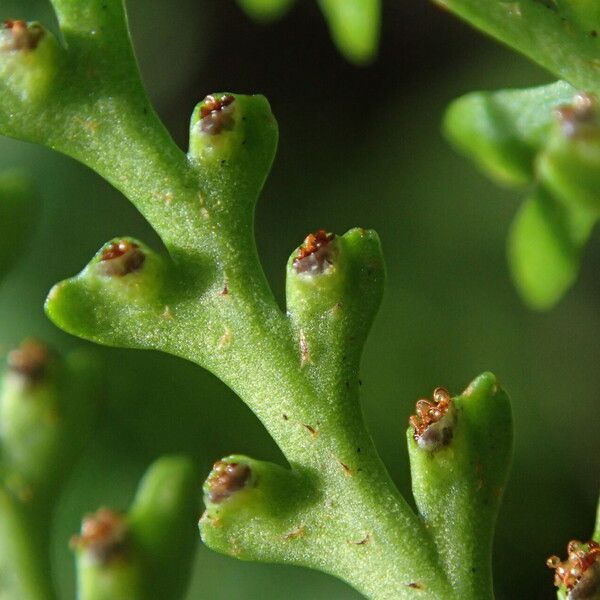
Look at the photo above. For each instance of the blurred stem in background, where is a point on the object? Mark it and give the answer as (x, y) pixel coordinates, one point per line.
(47, 406)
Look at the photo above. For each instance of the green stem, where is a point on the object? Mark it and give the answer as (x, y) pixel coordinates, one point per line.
(328, 440)
(24, 551)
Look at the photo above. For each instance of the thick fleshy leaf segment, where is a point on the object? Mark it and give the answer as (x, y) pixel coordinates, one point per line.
(547, 138)
(503, 131)
(545, 246)
(119, 299)
(18, 211)
(247, 499)
(354, 24)
(460, 450)
(147, 552)
(334, 289)
(233, 140)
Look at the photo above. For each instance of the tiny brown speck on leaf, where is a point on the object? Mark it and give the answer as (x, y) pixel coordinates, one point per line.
(295, 533)
(347, 470)
(415, 586)
(365, 540)
(226, 337)
(312, 430)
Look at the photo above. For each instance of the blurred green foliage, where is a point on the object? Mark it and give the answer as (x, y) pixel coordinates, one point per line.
(358, 147)
(18, 208)
(354, 24)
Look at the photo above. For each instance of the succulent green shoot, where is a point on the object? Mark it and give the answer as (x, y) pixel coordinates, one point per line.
(503, 131)
(336, 508)
(47, 405)
(261, 511)
(146, 553)
(17, 215)
(334, 288)
(459, 468)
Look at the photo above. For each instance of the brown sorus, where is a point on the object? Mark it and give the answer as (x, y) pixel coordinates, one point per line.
(226, 479)
(431, 427)
(578, 117)
(314, 255)
(121, 258)
(21, 35)
(580, 571)
(103, 535)
(30, 360)
(216, 114)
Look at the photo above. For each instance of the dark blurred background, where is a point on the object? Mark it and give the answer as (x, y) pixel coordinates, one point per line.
(358, 146)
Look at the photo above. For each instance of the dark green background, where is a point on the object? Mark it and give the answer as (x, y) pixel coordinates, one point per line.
(358, 147)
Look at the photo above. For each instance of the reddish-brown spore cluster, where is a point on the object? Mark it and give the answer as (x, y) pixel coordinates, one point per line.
(22, 36)
(103, 535)
(216, 114)
(429, 412)
(581, 558)
(121, 258)
(576, 118)
(226, 479)
(30, 361)
(314, 255)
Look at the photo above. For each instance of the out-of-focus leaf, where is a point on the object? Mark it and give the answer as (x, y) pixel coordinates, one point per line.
(545, 246)
(17, 215)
